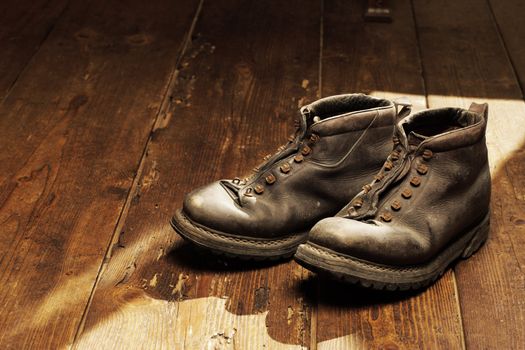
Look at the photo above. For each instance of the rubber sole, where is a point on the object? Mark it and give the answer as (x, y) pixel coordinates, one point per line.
(236, 246)
(386, 277)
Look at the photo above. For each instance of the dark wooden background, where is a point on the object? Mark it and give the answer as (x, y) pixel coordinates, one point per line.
(110, 111)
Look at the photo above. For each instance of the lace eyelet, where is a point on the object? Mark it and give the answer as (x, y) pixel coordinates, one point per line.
(415, 181)
(270, 179)
(298, 158)
(314, 138)
(427, 154)
(285, 168)
(259, 189)
(422, 169)
(386, 217)
(407, 193)
(396, 205)
(394, 155)
(379, 177)
(306, 151)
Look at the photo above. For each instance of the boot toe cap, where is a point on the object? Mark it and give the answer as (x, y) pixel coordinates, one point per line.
(213, 207)
(371, 241)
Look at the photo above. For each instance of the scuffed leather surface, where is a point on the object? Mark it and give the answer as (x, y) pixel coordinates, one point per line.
(453, 196)
(351, 148)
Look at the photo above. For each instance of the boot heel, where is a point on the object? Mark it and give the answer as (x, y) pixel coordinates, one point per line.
(481, 235)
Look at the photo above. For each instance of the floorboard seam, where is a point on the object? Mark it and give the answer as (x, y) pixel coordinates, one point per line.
(460, 313)
(123, 214)
(419, 53)
(314, 315)
(321, 44)
(37, 49)
(504, 44)
(424, 79)
(314, 307)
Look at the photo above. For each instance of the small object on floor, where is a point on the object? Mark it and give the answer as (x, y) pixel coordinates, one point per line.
(378, 11)
(339, 142)
(430, 208)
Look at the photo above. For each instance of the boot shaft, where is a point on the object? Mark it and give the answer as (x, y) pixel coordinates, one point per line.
(436, 177)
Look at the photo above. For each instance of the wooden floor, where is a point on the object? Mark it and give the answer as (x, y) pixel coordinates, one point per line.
(110, 111)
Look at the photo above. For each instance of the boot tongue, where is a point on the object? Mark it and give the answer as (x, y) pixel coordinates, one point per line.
(306, 118)
(378, 189)
(414, 139)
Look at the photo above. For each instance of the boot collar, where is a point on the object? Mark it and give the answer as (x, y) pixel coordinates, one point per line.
(460, 127)
(351, 112)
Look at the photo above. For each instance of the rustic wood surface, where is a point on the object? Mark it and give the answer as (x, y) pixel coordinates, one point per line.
(111, 111)
(458, 71)
(223, 83)
(382, 60)
(24, 26)
(73, 130)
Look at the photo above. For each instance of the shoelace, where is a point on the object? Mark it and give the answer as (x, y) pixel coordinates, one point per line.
(302, 149)
(394, 170)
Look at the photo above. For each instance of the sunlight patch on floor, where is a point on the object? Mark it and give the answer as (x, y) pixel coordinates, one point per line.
(202, 323)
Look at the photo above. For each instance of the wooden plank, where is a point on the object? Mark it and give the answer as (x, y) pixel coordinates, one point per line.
(381, 59)
(509, 19)
(251, 65)
(472, 65)
(73, 130)
(24, 25)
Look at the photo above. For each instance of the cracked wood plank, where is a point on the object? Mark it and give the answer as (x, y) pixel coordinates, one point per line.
(73, 129)
(472, 65)
(381, 59)
(233, 101)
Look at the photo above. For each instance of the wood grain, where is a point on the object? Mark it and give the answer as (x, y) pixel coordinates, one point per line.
(73, 130)
(509, 20)
(382, 59)
(104, 126)
(24, 25)
(234, 99)
(462, 69)
(508, 16)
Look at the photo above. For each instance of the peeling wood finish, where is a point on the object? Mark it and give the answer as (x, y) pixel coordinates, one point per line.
(221, 85)
(201, 323)
(72, 132)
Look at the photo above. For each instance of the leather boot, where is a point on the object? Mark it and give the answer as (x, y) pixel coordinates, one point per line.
(340, 141)
(428, 206)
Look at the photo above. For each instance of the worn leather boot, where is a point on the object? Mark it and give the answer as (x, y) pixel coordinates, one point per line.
(428, 206)
(340, 141)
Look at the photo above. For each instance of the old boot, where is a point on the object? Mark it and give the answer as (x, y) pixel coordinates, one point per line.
(340, 141)
(428, 206)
